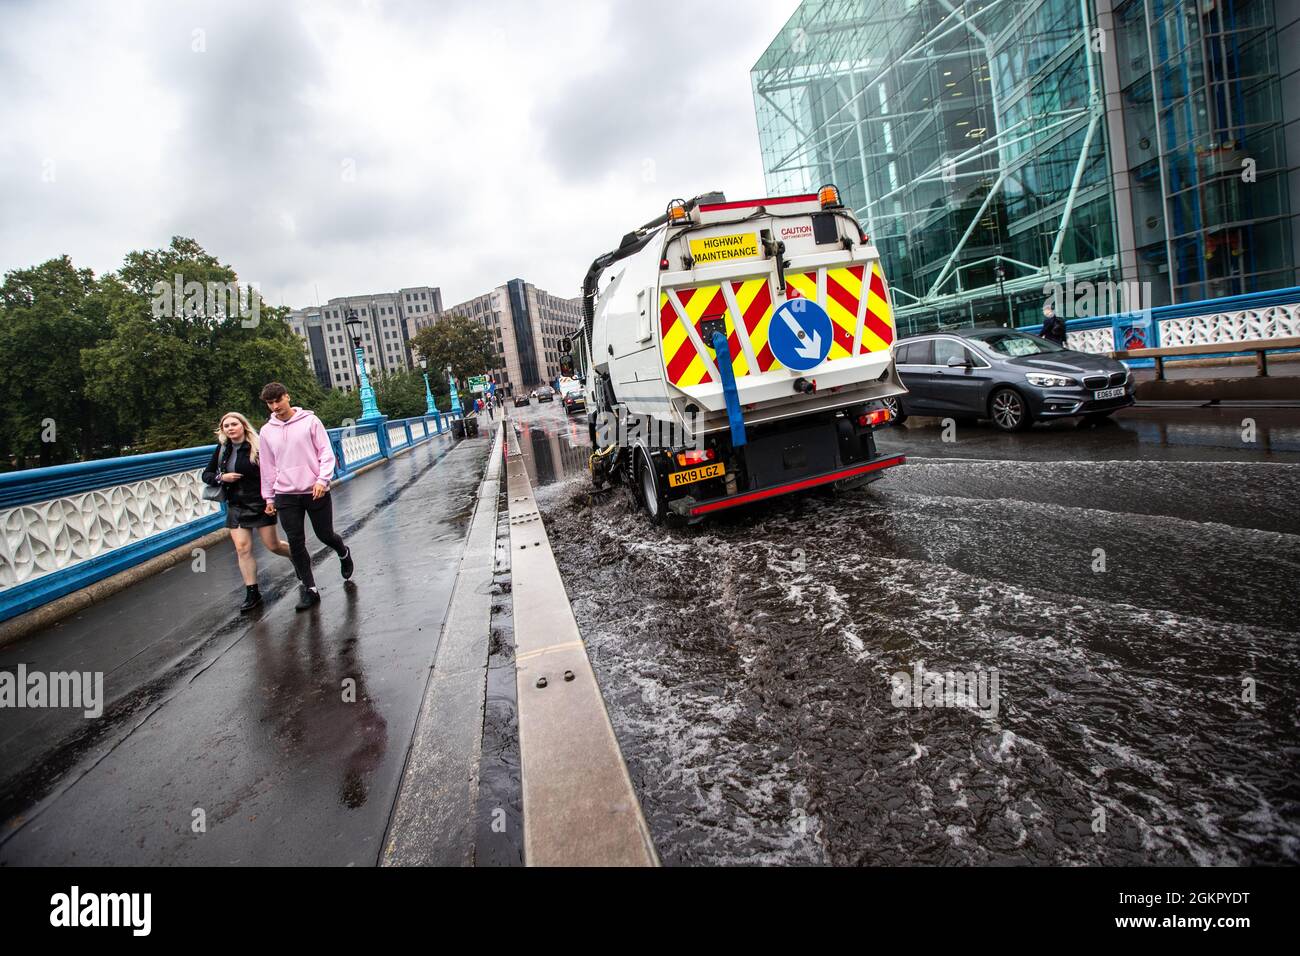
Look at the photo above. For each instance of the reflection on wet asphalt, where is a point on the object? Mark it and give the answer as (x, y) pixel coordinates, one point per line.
(287, 731)
(747, 662)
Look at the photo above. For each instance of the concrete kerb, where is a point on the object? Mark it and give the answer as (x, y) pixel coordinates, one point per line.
(432, 822)
(580, 808)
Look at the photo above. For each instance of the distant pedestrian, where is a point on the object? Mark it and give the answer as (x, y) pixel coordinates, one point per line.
(235, 470)
(1053, 325)
(297, 466)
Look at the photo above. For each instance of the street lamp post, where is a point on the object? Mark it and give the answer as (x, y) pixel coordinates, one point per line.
(429, 407)
(455, 399)
(369, 409)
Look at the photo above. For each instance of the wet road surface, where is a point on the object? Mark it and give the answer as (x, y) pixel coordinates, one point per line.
(287, 731)
(1133, 585)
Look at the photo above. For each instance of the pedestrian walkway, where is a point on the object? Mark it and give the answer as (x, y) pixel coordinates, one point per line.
(277, 738)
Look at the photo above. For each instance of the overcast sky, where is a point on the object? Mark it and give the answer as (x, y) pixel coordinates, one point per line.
(327, 149)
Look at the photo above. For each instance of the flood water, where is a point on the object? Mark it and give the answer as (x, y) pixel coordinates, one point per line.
(1137, 607)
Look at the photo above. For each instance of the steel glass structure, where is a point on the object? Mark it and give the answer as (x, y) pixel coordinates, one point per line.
(1203, 145)
(976, 142)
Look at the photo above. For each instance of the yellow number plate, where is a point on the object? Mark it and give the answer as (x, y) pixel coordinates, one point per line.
(692, 475)
(742, 245)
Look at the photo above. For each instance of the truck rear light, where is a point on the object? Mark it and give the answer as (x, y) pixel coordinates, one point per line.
(663, 264)
(875, 417)
(687, 458)
(829, 196)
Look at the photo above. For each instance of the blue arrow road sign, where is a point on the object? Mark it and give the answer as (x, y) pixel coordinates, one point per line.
(800, 334)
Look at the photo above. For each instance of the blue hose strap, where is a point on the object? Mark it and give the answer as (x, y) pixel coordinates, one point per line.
(729, 391)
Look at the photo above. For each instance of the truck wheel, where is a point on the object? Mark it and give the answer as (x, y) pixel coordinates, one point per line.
(648, 489)
(1009, 411)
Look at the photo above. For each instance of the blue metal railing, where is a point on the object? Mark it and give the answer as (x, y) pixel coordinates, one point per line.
(1183, 310)
(54, 530)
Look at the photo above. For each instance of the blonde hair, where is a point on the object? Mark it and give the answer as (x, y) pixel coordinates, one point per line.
(250, 434)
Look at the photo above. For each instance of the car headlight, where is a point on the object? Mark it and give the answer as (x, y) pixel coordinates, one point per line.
(1049, 381)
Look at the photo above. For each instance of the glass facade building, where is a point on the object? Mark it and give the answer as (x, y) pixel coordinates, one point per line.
(991, 147)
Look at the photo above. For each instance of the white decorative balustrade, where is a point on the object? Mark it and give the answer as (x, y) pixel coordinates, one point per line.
(47, 536)
(1241, 318)
(1280, 321)
(359, 446)
(1096, 341)
(66, 527)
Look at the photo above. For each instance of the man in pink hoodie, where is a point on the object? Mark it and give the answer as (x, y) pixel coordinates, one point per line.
(297, 464)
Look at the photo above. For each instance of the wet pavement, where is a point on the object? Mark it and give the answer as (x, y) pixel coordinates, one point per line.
(1132, 584)
(283, 735)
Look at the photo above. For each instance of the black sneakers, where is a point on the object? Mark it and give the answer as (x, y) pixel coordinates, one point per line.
(252, 598)
(345, 564)
(307, 598)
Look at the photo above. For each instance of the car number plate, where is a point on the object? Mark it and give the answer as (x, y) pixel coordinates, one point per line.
(1108, 393)
(692, 475)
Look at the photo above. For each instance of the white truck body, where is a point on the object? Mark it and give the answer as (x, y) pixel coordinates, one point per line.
(731, 266)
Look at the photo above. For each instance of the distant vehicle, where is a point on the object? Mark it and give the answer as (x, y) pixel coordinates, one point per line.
(1012, 378)
(572, 397)
(752, 340)
(521, 400)
(545, 394)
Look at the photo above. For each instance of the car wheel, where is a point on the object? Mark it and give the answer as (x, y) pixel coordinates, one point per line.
(1009, 411)
(896, 414)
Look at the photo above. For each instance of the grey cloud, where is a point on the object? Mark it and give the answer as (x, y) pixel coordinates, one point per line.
(247, 156)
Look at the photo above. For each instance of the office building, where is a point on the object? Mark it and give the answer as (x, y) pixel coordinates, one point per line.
(526, 324)
(991, 147)
(384, 338)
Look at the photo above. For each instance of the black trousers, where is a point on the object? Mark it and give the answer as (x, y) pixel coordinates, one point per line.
(293, 509)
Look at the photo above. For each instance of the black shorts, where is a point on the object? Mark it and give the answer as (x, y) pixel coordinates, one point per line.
(248, 516)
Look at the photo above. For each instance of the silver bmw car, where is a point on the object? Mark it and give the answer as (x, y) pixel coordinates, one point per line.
(1009, 377)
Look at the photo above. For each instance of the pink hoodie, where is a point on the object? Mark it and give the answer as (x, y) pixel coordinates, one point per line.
(294, 455)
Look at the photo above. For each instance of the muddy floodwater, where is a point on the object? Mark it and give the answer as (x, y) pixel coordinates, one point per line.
(1139, 615)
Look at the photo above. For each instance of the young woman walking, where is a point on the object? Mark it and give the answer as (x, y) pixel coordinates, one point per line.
(234, 467)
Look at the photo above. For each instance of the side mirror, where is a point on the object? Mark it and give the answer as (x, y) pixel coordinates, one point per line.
(956, 362)
(565, 345)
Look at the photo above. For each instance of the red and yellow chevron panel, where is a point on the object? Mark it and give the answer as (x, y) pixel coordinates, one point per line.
(878, 327)
(840, 305)
(681, 358)
(687, 365)
(844, 290)
(754, 299)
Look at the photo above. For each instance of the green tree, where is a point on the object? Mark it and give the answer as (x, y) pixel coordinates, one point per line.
(172, 370)
(48, 313)
(335, 407)
(462, 343)
(400, 394)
